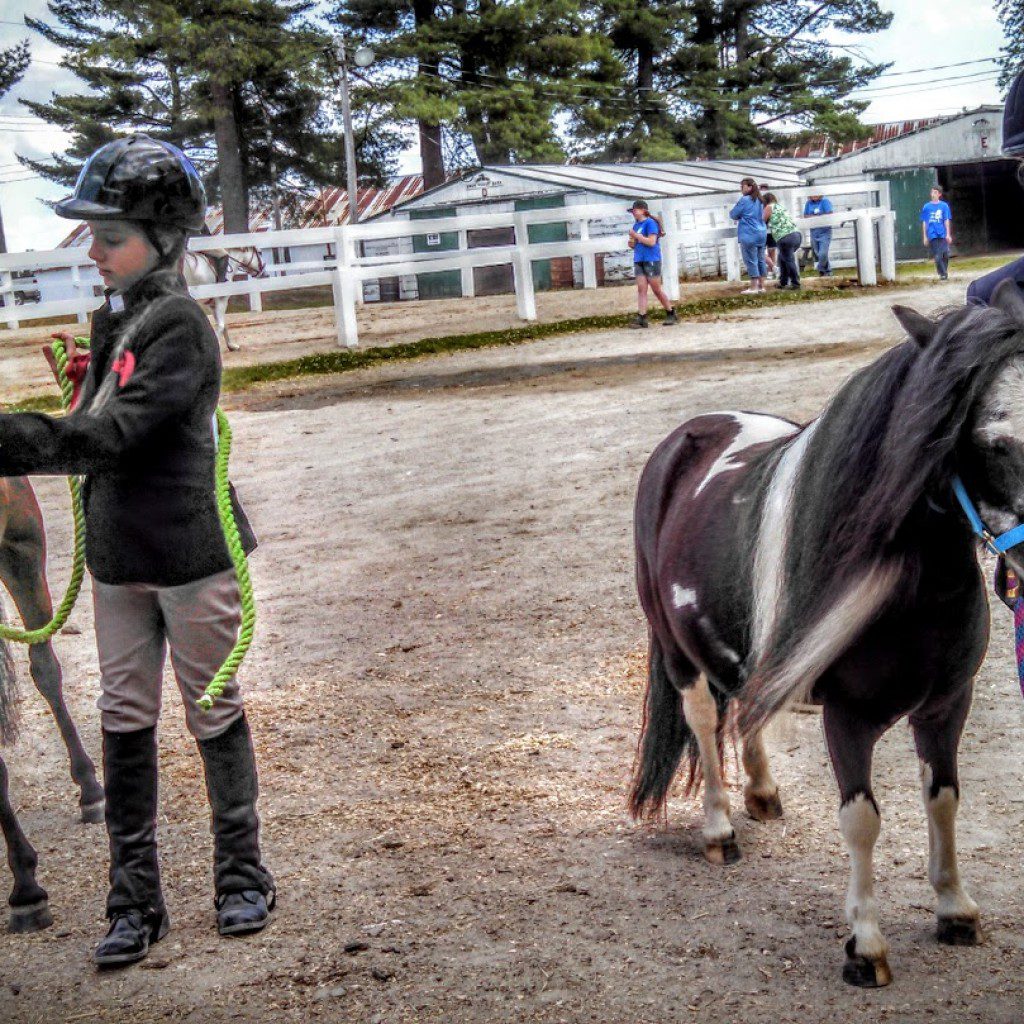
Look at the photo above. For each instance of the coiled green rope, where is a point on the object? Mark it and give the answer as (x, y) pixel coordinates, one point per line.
(227, 523)
(44, 633)
(241, 564)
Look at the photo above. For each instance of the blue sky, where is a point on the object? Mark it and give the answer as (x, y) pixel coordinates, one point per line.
(919, 39)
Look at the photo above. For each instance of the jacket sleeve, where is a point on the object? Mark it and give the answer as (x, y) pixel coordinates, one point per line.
(736, 212)
(171, 367)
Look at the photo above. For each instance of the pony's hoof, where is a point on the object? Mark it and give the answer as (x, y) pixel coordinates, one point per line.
(33, 918)
(92, 814)
(723, 851)
(958, 931)
(763, 808)
(863, 971)
(233, 346)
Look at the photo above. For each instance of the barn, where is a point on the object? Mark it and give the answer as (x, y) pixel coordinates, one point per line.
(963, 155)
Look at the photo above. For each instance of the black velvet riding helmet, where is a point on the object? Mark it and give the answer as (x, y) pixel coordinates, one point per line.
(138, 179)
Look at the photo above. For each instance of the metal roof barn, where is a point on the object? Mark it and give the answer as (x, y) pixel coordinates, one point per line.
(962, 154)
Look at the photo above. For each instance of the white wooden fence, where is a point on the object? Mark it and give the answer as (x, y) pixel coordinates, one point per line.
(873, 224)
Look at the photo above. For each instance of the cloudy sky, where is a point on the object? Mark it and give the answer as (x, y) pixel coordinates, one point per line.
(919, 41)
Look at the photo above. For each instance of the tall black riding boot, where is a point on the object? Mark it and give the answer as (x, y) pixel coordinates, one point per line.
(135, 905)
(244, 887)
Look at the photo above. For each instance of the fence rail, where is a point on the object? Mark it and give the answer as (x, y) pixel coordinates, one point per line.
(346, 270)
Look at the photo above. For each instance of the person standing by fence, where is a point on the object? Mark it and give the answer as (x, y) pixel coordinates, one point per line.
(645, 240)
(936, 232)
(787, 239)
(821, 238)
(751, 234)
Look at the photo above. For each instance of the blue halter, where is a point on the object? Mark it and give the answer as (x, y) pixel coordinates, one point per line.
(997, 545)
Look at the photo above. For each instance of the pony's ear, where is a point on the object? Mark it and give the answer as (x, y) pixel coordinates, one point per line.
(918, 326)
(1007, 297)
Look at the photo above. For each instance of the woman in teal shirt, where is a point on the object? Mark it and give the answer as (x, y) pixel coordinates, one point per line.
(787, 239)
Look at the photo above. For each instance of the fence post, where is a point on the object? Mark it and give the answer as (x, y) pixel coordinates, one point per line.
(526, 301)
(466, 273)
(344, 290)
(732, 260)
(588, 259)
(670, 252)
(7, 287)
(887, 245)
(76, 281)
(255, 299)
(865, 251)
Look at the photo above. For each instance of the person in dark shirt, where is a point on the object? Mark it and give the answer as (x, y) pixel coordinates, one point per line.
(979, 292)
(142, 435)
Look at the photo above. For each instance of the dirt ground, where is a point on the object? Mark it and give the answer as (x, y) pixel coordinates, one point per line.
(445, 693)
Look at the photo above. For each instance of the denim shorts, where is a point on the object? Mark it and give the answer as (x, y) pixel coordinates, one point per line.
(647, 268)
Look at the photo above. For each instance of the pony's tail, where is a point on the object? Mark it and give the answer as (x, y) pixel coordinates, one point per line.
(8, 689)
(664, 739)
(776, 684)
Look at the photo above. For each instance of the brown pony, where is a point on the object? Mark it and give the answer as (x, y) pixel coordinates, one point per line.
(22, 571)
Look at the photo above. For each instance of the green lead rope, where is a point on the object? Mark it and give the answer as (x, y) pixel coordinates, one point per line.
(227, 523)
(241, 564)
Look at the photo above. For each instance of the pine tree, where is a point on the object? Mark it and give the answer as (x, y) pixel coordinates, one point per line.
(1011, 17)
(244, 85)
(488, 77)
(720, 77)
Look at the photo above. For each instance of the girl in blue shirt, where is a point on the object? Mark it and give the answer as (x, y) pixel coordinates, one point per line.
(751, 234)
(645, 241)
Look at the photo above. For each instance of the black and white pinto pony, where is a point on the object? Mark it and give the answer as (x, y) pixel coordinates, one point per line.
(212, 266)
(831, 563)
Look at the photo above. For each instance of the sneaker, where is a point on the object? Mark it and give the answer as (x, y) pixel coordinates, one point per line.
(752, 291)
(640, 321)
(670, 318)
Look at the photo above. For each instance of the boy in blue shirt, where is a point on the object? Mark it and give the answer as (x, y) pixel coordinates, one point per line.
(935, 230)
(645, 241)
(821, 238)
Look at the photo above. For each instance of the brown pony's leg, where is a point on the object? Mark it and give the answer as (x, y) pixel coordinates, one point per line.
(761, 794)
(720, 846)
(28, 901)
(851, 742)
(22, 565)
(937, 738)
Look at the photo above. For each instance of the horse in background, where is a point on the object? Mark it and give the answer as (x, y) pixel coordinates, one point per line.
(22, 570)
(212, 266)
(831, 562)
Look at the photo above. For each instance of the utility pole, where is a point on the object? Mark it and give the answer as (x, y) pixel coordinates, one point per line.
(350, 145)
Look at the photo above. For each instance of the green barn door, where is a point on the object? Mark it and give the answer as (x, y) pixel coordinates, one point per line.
(908, 192)
(443, 284)
(543, 233)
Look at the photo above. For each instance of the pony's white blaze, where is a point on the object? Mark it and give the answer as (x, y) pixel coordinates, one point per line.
(683, 597)
(860, 824)
(1001, 417)
(773, 538)
(755, 428)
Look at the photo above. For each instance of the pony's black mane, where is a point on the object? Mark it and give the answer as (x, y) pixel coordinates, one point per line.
(885, 442)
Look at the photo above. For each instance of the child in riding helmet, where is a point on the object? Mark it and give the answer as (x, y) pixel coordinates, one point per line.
(142, 435)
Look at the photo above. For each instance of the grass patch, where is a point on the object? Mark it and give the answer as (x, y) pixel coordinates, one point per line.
(238, 378)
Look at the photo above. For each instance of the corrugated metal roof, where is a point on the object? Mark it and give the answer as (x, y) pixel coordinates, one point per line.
(672, 178)
(822, 147)
(328, 207)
